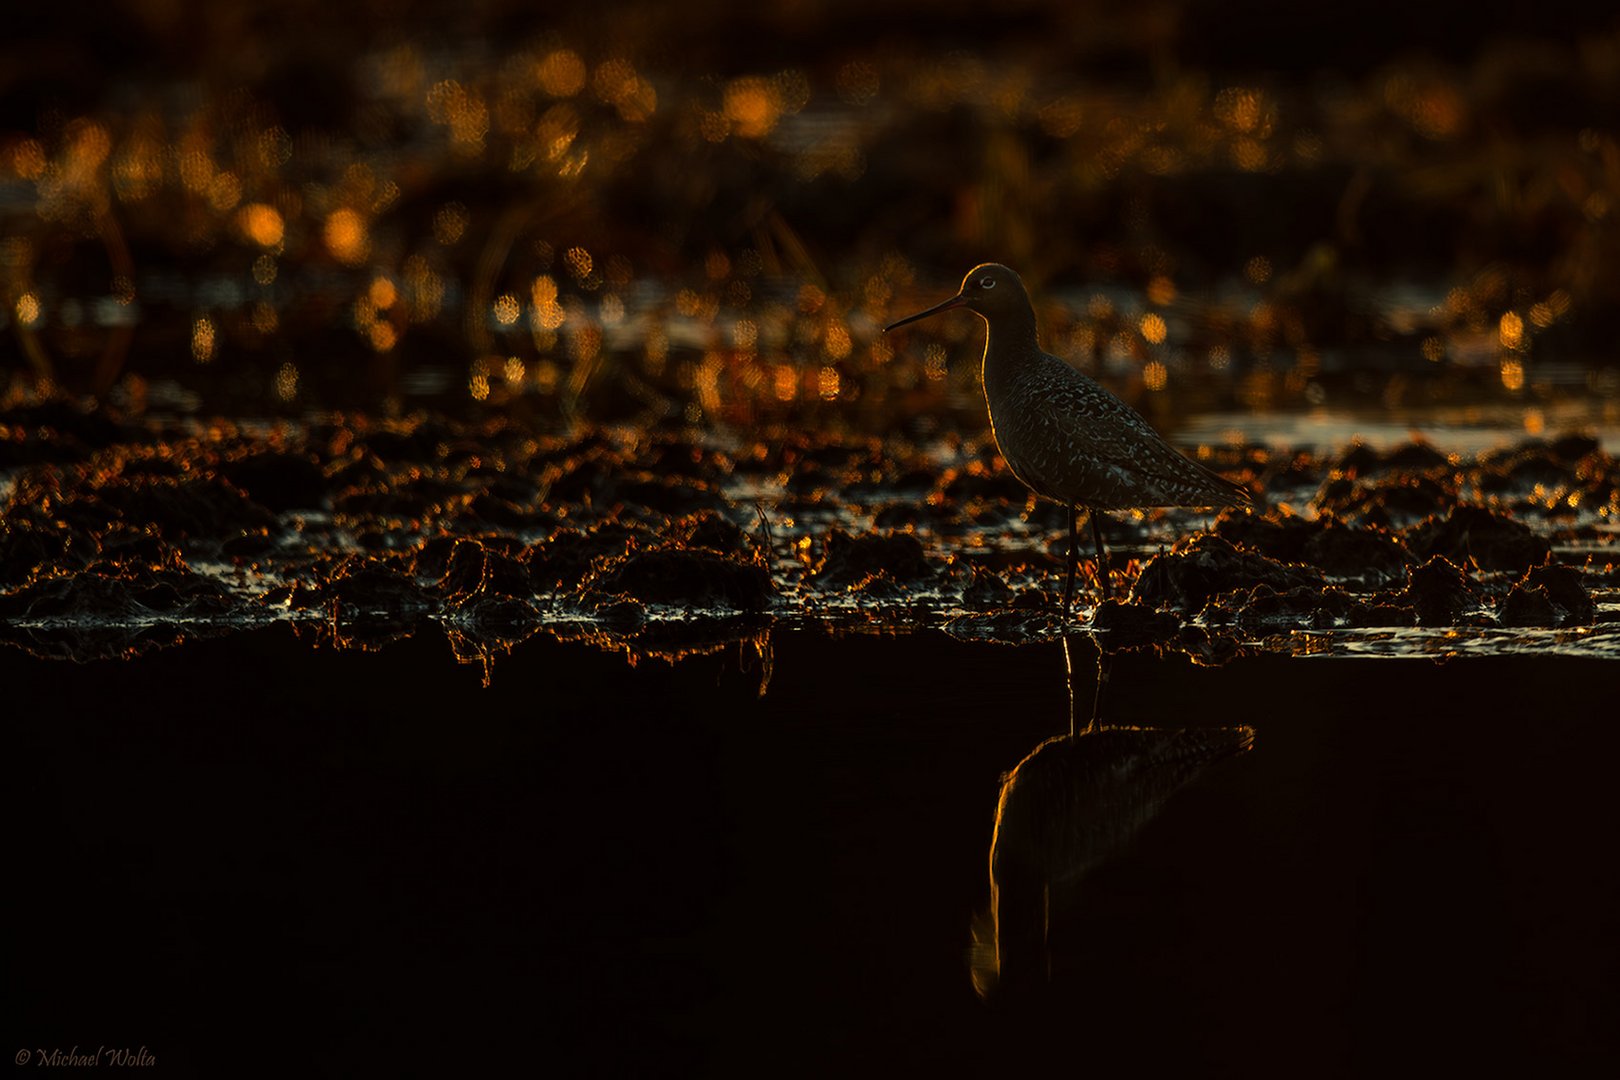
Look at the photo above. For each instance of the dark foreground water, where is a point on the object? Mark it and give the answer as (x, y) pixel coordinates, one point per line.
(249, 856)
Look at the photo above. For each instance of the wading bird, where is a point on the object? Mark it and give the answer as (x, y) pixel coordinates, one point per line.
(1064, 436)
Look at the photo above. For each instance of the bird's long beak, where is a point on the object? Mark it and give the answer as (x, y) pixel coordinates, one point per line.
(956, 301)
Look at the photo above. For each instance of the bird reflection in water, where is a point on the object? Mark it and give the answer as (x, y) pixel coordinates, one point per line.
(1073, 803)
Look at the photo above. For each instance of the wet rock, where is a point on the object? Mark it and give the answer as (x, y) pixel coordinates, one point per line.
(1206, 566)
(1439, 592)
(987, 591)
(846, 560)
(1492, 540)
(1132, 625)
(693, 578)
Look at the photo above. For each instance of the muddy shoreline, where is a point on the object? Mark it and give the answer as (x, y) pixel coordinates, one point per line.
(123, 535)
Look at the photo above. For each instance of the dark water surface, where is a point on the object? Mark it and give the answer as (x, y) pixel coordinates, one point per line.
(252, 856)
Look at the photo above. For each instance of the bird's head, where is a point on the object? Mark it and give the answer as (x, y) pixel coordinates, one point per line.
(989, 290)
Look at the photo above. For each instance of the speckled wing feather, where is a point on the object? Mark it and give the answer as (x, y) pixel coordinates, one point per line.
(1073, 441)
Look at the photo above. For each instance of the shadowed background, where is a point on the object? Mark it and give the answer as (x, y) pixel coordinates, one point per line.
(703, 214)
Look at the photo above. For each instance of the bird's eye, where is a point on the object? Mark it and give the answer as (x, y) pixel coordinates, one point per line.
(987, 283)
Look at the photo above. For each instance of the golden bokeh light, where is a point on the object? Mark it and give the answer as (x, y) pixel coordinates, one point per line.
(450, 222)
(561, 73)
(1153, 328)
(1513, 375)
(785, 382)
(262, 224)
(752, 105)
(579, 263)
(1161, 291)
(202, 339)
(1510, 330)
(1155, 375)
(286, 384)
(548, 313)
(345, 237)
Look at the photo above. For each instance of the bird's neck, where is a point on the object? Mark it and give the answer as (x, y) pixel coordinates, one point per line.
(1009, 344)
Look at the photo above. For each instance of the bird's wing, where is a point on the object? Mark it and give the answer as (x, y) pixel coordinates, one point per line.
(1092, 424)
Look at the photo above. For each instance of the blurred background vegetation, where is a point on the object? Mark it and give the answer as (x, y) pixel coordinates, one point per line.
(701, 213)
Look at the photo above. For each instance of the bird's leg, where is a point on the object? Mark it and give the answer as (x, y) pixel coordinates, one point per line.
(1103, 577)
(1074, 556)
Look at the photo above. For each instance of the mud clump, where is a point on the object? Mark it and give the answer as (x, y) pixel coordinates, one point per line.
(847, 560)
(1388, 501)
(565, 558)
(1265, 610)
(1550, 595)
(474, 568)
(692, 578)
(109, 589)
(1439, 593)
(1132, 625)
(1279, 536)
(1343, 551)
(1528, 606)
(279, 481)
(708, 530)
(1206, 566)
(27, 544)
(987, 591)
(1492, 540)
(669, 495)
(358, 582)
